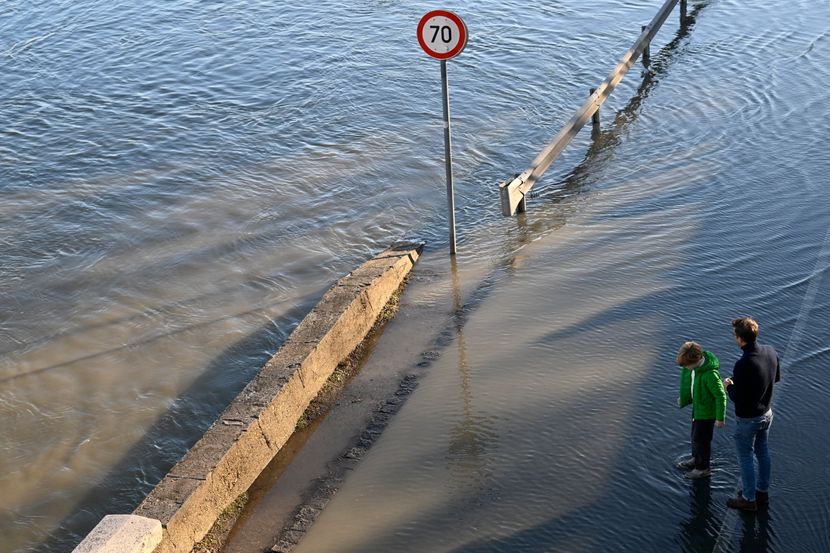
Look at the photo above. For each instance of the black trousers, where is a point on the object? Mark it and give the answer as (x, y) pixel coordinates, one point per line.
(702, 442)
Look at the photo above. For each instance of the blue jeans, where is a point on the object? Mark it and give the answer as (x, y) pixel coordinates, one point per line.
(751, 437)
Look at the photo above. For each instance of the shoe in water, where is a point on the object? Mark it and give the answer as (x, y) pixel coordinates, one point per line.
(761, 498)
(697, 473)
(741, 503)
(688, 464)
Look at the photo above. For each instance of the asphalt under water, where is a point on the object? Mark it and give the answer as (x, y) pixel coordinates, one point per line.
(181, 182)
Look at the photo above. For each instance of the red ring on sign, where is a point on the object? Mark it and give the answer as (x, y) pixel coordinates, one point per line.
(462, 29)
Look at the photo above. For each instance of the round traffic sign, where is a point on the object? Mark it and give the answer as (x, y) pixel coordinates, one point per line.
(442, 34)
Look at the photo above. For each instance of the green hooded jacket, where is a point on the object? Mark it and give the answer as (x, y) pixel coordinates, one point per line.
(709, 398)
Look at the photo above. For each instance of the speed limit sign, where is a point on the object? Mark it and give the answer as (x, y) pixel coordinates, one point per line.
(442, 34)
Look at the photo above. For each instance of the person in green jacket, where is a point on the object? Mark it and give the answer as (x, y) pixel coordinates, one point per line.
(701, 386)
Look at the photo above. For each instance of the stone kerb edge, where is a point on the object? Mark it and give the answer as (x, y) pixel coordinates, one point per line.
(252, 429)
(123, 533)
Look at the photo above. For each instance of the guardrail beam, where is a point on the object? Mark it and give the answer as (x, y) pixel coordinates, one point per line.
(514, 193)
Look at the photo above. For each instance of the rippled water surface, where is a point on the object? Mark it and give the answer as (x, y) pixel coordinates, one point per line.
(180, 182)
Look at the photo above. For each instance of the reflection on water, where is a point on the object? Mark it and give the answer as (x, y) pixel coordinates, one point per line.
(700, 531)
(756, 532)
(468, 452)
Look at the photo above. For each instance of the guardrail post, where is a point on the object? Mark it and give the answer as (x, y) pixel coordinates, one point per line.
(595, 116)
(514, 192)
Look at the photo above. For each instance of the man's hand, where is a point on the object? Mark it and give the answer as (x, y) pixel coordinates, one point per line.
(727, 381)
(720, 424)
(678, 402)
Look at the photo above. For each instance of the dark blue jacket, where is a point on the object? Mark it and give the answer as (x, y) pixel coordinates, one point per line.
(755, 373)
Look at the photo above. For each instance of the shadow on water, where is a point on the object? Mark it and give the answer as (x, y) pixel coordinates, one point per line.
(696, 531)
(611, 522)
(164, 266)
(581, 527)
(756, 532)
(467, 453)
(699, 531)
(193, 412)
(174, 433)
(131, 345)
(570, 529)
(621, 517)
(624, 518)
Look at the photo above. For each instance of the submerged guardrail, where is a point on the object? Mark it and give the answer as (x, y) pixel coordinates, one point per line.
(514, 192)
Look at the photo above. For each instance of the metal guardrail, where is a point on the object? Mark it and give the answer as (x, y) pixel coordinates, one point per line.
(513, 193)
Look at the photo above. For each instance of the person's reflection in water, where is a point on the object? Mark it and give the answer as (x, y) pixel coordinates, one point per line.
(755, 536)
(699, 532)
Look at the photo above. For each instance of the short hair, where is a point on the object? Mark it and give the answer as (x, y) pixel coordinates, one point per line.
(689, 354)
(746, 329)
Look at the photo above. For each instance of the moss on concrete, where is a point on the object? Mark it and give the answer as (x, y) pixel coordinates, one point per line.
(327, 396)
(218, 534)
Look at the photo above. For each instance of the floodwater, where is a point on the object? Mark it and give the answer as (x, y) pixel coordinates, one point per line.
(181, 181)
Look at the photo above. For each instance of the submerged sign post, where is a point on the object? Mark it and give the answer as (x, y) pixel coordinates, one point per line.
(443, 35)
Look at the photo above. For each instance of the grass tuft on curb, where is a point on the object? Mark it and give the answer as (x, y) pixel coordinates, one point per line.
(215, 539)
(347, 368)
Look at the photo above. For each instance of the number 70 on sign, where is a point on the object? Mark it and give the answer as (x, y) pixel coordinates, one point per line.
(442, 34)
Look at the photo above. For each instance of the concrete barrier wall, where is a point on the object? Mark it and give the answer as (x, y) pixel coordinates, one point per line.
(124, 533)
(237, 448)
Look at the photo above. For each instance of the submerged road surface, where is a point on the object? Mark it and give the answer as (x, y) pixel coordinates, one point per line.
(549, 424)
(182, 181)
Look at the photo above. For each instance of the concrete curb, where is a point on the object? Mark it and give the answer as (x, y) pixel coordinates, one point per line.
(125, 533)
(237, 447)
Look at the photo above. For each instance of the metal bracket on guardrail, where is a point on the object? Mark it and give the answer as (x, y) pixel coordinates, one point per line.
(512, 197)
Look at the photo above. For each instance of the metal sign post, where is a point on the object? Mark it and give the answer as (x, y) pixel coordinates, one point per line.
(448, 154)
(443, 35)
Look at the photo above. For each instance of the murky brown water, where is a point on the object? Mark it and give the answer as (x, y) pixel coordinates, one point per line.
(181, 182)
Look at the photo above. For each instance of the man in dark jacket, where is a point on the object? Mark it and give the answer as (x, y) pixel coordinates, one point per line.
(750, 388)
